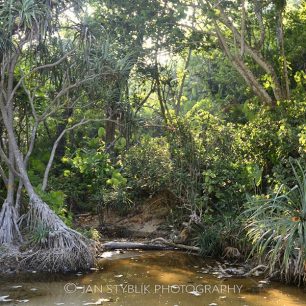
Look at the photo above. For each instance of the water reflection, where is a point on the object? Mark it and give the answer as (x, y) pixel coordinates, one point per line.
(147, 278)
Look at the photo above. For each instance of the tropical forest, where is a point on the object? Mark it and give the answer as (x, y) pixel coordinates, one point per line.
(153, 152)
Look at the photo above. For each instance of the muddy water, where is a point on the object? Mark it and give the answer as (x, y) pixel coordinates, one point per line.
(147, 278)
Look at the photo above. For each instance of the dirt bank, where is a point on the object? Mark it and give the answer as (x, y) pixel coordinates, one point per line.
(147, 220)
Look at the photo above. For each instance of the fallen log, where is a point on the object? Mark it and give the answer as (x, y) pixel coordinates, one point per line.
(155, 244)
(115, 245)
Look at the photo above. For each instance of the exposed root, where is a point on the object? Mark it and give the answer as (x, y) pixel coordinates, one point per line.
(9, 258)
(57, 260)
(57, 247)
(9, 230)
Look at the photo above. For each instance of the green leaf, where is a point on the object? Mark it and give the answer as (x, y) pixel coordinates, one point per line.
(101, 132)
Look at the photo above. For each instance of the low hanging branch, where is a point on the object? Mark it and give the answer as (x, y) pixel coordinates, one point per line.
(55, 145)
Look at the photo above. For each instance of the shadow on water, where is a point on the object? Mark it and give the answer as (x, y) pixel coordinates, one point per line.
(146, 278)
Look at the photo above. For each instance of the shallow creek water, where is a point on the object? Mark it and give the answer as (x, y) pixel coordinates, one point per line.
(147, 278)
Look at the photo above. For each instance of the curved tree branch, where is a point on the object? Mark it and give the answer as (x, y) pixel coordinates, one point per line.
(50, 162)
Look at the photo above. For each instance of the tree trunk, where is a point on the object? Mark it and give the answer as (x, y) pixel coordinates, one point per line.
(180, 93)
(9, 231)
(60, 128)
(110, 129)
(281, 45)
(244, 71)
(255, 54)
(112, 113)
(63, 249)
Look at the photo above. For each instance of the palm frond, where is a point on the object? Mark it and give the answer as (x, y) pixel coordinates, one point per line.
(277, 227)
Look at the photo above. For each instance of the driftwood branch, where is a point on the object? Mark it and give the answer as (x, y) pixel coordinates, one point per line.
(177, 245)
(259, 267)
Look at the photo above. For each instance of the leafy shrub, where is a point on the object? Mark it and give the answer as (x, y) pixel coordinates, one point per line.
(207, 166)
(90, 233)
(87, 174)
(118, 200)
(148, 166)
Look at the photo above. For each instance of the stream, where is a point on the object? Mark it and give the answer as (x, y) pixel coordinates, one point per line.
(147, 278)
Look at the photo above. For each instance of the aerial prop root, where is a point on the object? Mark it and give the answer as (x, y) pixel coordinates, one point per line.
(9, 230)
(59, 247)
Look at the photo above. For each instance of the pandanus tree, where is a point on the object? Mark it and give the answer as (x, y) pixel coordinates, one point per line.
(26, 27)
(140, 30)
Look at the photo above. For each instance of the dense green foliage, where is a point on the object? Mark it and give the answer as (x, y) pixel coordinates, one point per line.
(148, 166)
